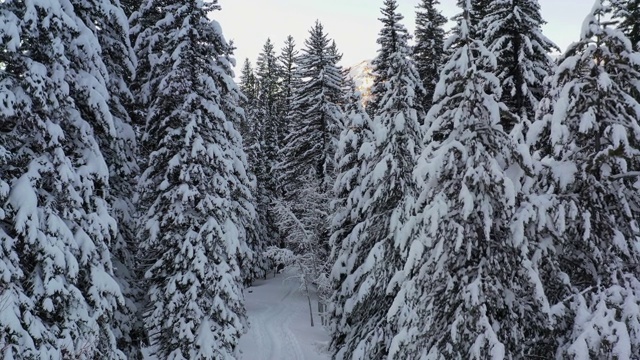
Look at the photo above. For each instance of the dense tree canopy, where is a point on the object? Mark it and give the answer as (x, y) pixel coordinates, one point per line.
(484, 203)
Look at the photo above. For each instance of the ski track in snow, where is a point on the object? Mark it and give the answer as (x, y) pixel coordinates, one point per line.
(279, 327)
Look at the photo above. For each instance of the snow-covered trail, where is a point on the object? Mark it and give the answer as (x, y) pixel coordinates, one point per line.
(279, 327)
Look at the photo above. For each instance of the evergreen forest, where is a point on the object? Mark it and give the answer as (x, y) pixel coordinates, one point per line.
(480, 201)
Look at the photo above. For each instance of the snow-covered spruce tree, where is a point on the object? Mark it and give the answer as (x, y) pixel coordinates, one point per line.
(428, 51)
(308, 168)
(130, 6)
(588, 136)
(287, 61)
(512, 31)
(628, 14)
(479, 10)
(369, 284)
(109, 22)
(56, 223)
(390, 33)
(146, 46)
(268, 79)
(351, 166)
(195, 192)
(251, 260)
(251, 131)
(469, 291)
(315, 124)
(346, 210)
(268, 123)
(249, 87)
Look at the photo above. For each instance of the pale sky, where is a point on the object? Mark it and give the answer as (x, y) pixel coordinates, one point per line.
(354, 23)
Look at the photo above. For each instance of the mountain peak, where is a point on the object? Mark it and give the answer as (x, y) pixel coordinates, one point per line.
(362, 75)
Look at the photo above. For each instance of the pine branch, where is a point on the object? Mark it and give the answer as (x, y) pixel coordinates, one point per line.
(630, 174)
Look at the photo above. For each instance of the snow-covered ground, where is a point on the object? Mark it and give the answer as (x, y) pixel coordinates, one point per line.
(279, 325)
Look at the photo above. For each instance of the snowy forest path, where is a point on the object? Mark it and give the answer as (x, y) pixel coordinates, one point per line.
(279, 327)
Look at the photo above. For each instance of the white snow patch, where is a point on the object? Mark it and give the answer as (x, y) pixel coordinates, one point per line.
(279, 325)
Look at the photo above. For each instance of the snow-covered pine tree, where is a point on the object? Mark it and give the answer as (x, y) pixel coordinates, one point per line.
(268, 79)
(308, 166)
(145, 45)
(247, 83)
(588, 137)
(351, 166)
(428, 51)
(251, 259)
(391, 30)
(627, 13)
(130, 6)
(59, 292)
(250, 129)
(249, 87)
(268, 123)
(108, 21)
(627, 16)
(479, 11)
(469, 289)
(368, 284)
(251, 132)
(346, 210)
(195, 192)
(287, 60)
(512, 31)
(316, 118)
(340, 95)
(334, 52)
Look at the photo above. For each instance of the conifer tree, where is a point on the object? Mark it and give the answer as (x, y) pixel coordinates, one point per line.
(480, 9)
(367, 283)
(627, 13)
(264, 230)
(627, 16)
(465, 266)
(145, 45)
(287, 60)
(391, 33)
(108, 21)
(59, 292)
(308, 166)
(195, 191)
(428, 52)
(347, 214)
(130, 6)
(587, 134)
(249, 87)
(512, 31)
(250, 256)
(339, 94)
(251, 129)
(316, 118)
(268, 123)
(248, 84)
(351, 166)
(268, 115)
(268, 79)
